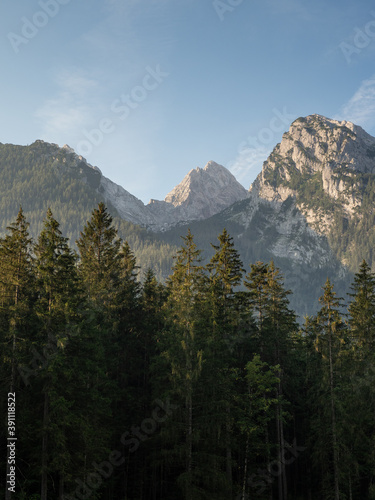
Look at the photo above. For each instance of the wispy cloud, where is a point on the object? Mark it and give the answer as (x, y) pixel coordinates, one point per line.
(360, 109)
(69, 110)
(248, 164)
(294, 7)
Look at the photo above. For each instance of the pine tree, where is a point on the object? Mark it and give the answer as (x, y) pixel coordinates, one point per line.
(125, 352)
(330, 339)
(16, 283)
(361, 369)
(257, 405)
(362, 308)
(99, 248)
(57, 281)
(224, 306)
(181, 346)
(256, 284)
(268, 301)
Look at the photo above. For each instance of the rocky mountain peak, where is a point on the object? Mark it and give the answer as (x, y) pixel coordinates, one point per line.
(202, 193)
(212, 189)
(319, 159)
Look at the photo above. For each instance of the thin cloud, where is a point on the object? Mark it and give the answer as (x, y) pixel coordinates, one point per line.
(248, 164)
(360, 109)
(294, 7)
(68, 111)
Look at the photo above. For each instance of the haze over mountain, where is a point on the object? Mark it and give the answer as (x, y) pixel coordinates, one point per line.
(201, 194)
(311, 208)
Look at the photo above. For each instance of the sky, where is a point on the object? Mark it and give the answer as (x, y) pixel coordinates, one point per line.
(147, 90)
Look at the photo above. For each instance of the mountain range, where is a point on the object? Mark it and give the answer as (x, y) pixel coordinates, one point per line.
(310, 209)
(201, 194)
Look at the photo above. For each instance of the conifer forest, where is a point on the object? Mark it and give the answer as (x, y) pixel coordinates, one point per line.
(204, 387)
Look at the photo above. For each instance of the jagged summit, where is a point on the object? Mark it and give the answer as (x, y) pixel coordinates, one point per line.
(317, 149)
(202, 193)
(206, 190)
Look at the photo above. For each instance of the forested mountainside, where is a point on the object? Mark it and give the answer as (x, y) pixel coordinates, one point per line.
(42, 176)
(310, 210)
(196, 389)
(328, 168)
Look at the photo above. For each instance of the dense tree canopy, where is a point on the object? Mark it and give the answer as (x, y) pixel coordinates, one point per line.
(204, 387)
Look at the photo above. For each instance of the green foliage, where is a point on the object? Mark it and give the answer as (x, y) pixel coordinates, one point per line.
(42, 176)
(201, 388)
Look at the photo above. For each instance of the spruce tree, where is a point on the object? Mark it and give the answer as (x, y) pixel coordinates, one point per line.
(224, 306)
(361, 369)
(99, 249)
(330, 340)
(16, 283)
(57, 281)
(182, 349)
(362, 309)
(16, 292)
(269, 304)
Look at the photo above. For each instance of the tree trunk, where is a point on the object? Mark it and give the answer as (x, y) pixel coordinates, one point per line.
(333, 417)
(228, 451)
(8, 494)
(61, 487)
(189, 444)
(280, 476)
(285, 484)
(43, 494)
(268, 454)
(243, 492)
(280, 431)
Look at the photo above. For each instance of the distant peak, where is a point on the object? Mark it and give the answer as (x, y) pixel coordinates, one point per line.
(68, 149)
(212, 165)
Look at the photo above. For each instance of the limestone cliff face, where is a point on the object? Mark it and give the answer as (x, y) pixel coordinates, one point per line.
(201, 194)
(325, 169)
(332, 153)
(322, 164)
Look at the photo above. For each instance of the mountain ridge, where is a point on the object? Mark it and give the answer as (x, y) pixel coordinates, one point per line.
(311, 209)
(202, 193)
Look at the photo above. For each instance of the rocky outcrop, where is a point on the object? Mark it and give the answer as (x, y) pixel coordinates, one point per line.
(329, 152)
(201, 194)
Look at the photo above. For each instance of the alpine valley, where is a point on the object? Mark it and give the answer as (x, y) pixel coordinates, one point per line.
(311, 209)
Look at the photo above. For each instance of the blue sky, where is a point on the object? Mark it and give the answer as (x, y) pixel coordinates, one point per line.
(149, 89)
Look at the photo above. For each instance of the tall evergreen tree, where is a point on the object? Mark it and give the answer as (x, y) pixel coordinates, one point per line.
(16, 283)
(361, 398)
(57, 281)
(362, 308)
(257, 405)
(99, 249)
(224, 308)
(182, 348)
(330, 338)
(269, 304)
(16, 290)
